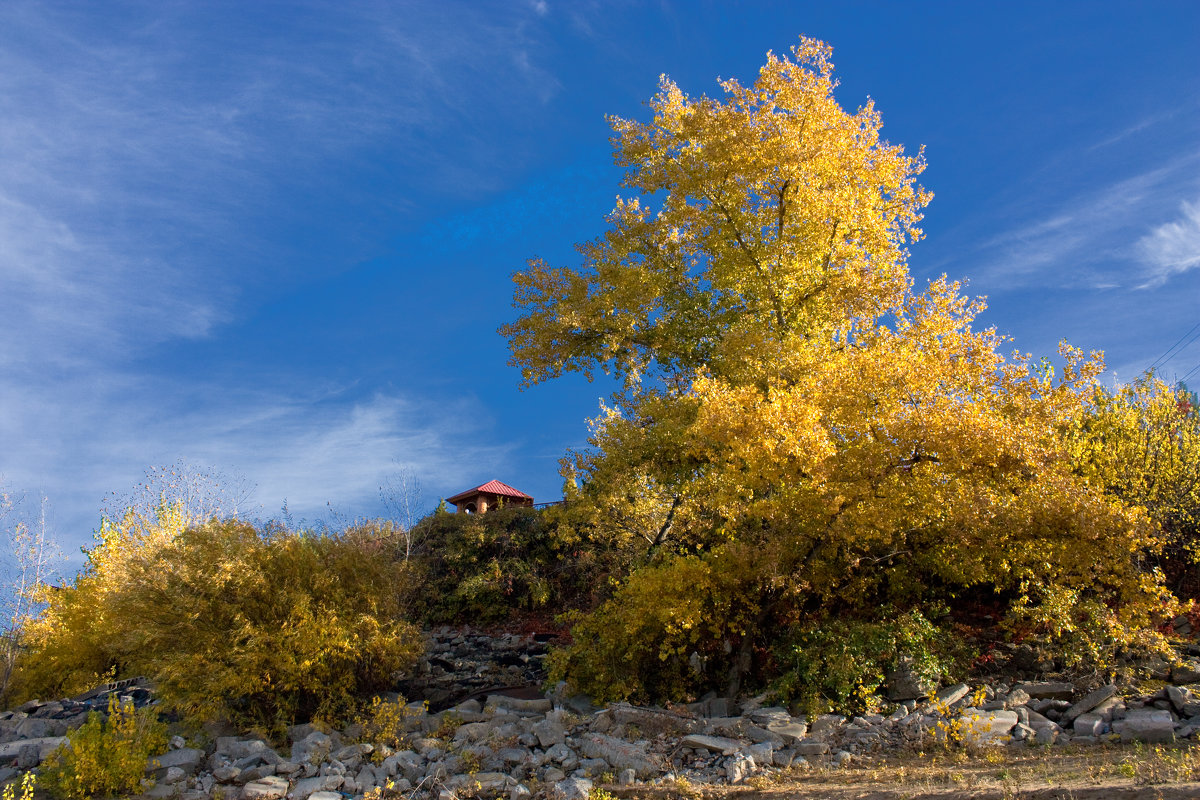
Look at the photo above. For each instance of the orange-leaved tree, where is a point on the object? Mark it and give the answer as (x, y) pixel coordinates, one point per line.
(800, 434)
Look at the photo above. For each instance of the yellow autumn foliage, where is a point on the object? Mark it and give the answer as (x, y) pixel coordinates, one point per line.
(260, 628)
(790, 398)
(106, 756)
(1140, 444)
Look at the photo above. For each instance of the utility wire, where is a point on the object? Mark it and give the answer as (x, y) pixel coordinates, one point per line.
(1189, 373)
(1164, 358)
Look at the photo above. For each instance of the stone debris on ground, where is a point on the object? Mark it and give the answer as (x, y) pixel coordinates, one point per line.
(516, 743)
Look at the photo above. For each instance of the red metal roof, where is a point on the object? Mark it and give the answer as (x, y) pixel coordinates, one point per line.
(491, 487)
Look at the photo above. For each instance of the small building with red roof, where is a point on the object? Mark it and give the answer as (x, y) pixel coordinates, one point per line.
(492, 494)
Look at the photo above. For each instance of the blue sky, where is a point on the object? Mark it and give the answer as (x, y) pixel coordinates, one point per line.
(277, 238)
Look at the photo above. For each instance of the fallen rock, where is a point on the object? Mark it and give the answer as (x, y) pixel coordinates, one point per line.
(985, 726)
(267, 788)
(715, 744)
(1089, 724)
(1150, 725)
(1089, 702)
(1187, 672)
(619, 754)
(905, 683)
(653, 721)
(549, 733)
(573, 789)
(187, 759)
(739, 767)
(1047, 690)
(306, 787)
(952, 694)
(535, 706)
(44, 746)
(312, 749)
(789, 732)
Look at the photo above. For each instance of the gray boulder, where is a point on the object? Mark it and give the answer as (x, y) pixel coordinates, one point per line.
(620, 754)
(739, 767)
(1089, 702)
(187, 759)
(312, 749)
(43, 746)
(904, 683)
(572, 789)
(653, 721)
(1089, 724)
(1048, 690)
(268, 788)
(985, 726)
(36, 728)
(952, 694)
(1187, 672)
(715, 744)
(1151, 725)
(549, 733)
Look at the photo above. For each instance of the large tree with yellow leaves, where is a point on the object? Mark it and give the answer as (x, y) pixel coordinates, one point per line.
(801, 435)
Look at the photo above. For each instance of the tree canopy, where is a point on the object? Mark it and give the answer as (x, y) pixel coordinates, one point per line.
(801, 434)
(770, 218)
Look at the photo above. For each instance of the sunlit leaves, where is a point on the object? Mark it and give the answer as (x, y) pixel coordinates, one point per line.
(788, 394)
(769, 215)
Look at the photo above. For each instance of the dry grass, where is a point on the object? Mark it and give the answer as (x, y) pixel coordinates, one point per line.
(1167, 772)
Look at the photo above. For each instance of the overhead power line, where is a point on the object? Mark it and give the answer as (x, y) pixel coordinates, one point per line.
(1189, 373)
(1168, 355)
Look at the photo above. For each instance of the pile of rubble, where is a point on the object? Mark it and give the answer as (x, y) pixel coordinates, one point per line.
(559, 746)
(30, 733)
(460, 664)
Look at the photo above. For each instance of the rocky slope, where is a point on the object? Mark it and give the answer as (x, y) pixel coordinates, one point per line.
(482, 731)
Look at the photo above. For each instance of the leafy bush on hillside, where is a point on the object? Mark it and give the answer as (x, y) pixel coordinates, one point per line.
(263, 629)
(671, 631)
(1141, 444)
(843, 663)
(77, 641)
(105, 757)
(486, 567)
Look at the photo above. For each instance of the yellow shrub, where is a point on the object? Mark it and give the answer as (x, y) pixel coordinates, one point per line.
(105, 758)
(263, 630)
(383, 723)
(640, 644)
(28, 782)
(78, 640)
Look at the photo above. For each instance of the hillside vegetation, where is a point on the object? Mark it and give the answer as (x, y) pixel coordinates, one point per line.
(815, 474)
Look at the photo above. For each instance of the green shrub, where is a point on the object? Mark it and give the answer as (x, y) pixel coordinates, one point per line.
(105, 758)
(486, 567)
(839, 664)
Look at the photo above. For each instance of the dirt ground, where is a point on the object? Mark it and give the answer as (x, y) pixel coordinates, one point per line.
(1121, 773)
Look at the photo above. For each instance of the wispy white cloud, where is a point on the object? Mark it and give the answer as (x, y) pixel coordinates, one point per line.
(1062, 249)
(144, 147)
(156, 161)
(309, 447)
(311, 455)
(1090, 239)
(1134, 129)
(1171, 248)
